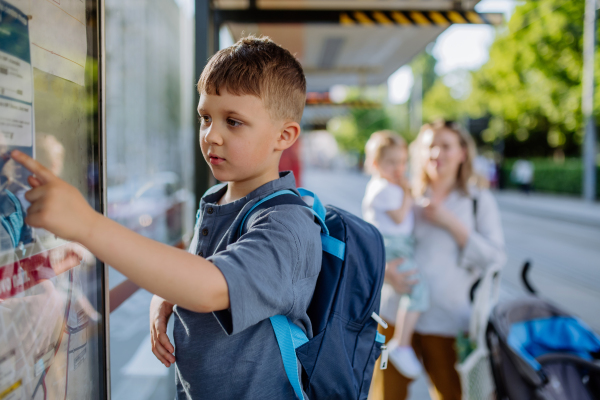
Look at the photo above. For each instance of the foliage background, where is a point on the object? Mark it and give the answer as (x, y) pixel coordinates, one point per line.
(528, 94)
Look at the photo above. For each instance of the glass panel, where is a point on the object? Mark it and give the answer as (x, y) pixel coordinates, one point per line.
(149, 88)
(51, 291)
(150, 137)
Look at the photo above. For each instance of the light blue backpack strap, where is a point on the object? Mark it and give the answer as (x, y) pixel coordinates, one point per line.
(258, 203)
(320, 220)
(333, 246)
(317, 205)
(289, 337)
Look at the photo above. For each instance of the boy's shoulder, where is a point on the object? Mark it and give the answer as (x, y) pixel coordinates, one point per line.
(296, 220)
(294, 217)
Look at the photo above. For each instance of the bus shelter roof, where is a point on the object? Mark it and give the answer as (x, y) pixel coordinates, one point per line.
(349, 42)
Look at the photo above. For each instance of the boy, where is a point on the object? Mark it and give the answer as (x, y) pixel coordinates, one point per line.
(252, 98)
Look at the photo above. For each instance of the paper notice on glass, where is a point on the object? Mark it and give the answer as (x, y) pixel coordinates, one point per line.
(16, 79)
(15, 123)
(58, 36)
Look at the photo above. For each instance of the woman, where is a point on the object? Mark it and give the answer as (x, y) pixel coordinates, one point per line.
(458, 235)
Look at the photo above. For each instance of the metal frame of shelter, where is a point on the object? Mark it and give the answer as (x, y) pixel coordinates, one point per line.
(209, 19)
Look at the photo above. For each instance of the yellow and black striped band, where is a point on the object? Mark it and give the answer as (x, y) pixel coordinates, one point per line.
(412, 18)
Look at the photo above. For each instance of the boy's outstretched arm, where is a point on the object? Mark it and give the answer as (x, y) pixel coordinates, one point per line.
(181, 278)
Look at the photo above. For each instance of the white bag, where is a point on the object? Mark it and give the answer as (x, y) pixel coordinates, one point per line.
(475, 373)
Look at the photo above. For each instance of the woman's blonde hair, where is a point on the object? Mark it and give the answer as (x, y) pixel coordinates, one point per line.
(419, 153)
(377, 144)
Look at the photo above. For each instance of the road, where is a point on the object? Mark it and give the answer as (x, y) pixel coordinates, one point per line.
(566, 270)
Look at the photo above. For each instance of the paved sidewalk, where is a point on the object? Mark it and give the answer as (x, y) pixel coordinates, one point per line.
(557, 207)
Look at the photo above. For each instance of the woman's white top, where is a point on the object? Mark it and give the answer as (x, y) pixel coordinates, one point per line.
(382, 196)
(450, 272)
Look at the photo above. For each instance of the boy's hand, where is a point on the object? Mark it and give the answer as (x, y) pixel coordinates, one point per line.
(55, 205)
(160, 311)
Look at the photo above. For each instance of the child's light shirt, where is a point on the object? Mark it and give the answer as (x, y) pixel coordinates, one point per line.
(382, 196)
(271, 270)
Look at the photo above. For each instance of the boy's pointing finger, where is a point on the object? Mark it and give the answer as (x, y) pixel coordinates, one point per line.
(42, 173)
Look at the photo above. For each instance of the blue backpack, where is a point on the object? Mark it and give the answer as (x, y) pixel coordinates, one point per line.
(338, 361)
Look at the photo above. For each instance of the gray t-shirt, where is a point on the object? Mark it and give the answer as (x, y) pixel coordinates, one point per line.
(271, 270)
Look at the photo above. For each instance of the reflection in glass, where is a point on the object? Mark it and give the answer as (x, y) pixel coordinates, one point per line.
(49, 336)
(51, 291)
(150, 113)
(149, 122)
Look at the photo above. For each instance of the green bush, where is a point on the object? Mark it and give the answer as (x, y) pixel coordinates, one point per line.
(553, 177)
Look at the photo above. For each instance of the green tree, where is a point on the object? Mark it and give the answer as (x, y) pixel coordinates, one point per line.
(353, 130)
(531, 85)
(438, 102)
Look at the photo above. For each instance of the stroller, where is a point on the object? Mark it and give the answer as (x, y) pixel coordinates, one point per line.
(539, 352)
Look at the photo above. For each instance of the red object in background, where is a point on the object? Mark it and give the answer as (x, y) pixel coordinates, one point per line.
(291, 161)
(22, 275)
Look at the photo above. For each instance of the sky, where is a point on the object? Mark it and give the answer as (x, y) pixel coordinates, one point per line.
(457, 48)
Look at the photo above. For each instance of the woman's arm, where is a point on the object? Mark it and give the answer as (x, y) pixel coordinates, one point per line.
(482, 246)
(485, 245)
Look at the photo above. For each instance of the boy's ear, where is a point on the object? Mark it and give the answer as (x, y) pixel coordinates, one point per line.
(288, 135)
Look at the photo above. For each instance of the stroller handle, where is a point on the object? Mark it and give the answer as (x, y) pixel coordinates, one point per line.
(525, 277)
(570, 358)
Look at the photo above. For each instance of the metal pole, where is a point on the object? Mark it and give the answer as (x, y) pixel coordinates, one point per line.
(587, 103)
(103, 189)
(416, 104)
(216, 36)
(202, 43)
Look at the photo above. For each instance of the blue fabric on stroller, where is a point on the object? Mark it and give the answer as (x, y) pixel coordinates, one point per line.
(540, 352)
(538, 337)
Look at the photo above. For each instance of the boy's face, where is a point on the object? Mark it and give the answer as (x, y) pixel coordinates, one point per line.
(239, 139)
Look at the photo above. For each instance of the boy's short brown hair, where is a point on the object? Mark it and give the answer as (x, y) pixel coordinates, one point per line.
(259, 67)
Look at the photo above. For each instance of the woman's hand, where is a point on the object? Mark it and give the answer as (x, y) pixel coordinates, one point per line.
(55, 205)
(160, 312)
(400, 281)
(436, 213)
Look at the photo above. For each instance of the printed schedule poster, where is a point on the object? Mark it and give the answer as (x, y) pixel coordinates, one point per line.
(16, 124)
(51, 291)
